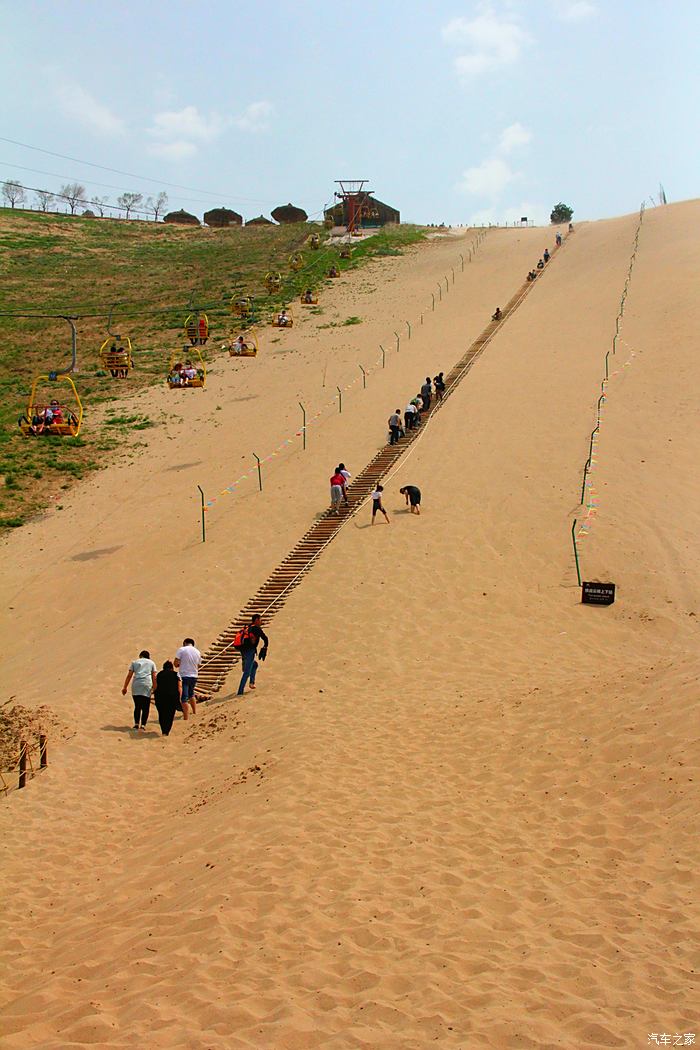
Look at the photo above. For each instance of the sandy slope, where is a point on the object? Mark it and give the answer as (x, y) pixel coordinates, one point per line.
(460, 807)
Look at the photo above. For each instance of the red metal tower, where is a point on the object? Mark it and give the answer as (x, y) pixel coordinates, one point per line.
(355, 199)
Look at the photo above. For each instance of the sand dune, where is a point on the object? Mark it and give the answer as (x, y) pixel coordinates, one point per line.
(460, 808)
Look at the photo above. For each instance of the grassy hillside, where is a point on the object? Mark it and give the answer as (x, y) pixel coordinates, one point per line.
(56, 264)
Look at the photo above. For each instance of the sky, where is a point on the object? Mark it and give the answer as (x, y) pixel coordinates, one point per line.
(454, 112)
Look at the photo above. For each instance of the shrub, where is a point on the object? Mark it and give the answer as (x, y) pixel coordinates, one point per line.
(561, 213)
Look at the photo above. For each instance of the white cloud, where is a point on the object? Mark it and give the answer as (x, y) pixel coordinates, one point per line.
(79, 104)
(573, 10)
(492, 41)
(487, 179)
(187, 123)
(513, 136)
(256, 116)
(177, 134)
(177, 150)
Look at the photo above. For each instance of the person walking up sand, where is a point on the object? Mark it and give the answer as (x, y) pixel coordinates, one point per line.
(246, 641)
(187, 661)
(167, 696)
(142, 675)
(377, 504)
(439, 384)
(342, 469)
(395, 426)
(426, 392)
(412, 494)
(337, 489)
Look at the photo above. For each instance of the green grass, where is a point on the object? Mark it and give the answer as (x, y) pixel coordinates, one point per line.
(60, 264)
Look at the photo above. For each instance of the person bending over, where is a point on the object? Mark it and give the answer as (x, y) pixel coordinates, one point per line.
(412, 494)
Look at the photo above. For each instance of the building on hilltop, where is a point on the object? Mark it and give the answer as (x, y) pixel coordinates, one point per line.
(222, 217)
(371, 211)
(260, 220)
(183, 217)
(288, 213)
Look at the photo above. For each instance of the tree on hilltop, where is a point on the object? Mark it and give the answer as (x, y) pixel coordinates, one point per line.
(74, 193)
(561, 213)
(44, 199)
(158, 205)
(13, 192)
(128, 202)
(100, 203)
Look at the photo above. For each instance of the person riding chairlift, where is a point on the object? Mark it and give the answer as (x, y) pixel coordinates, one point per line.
(308, 296)
(283, 318)
(38, 423)
(175, 376)
(188, 373)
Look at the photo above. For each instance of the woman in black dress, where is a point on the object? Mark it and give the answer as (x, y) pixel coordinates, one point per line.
(167, 696)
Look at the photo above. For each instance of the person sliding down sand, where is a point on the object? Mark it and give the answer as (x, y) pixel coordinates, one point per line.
(497, 315)
(412, 494)
(377, 504)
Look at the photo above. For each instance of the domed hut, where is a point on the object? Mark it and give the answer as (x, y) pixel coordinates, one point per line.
(287, 213)
(259, 221)
(222, 217)
(182, 217)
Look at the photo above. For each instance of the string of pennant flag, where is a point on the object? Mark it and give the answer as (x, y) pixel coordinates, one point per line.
(251, 471)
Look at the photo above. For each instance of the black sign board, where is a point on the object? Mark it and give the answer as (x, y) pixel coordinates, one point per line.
(597, 593)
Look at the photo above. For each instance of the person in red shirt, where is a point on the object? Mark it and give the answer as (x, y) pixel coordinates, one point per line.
(337, 489)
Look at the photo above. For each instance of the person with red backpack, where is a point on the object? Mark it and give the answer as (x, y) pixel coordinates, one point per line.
(246, 641)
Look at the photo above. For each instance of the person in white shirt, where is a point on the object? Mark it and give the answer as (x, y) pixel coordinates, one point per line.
(142, 675)
(377, 506)
(187, 661)
(347, 475)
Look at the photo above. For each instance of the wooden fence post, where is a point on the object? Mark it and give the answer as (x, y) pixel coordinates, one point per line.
(43, 750)
(22, 763)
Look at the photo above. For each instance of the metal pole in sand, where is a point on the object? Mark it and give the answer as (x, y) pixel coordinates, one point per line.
(204, 530)
(303, 425)
(573, 540)
(257, 459)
